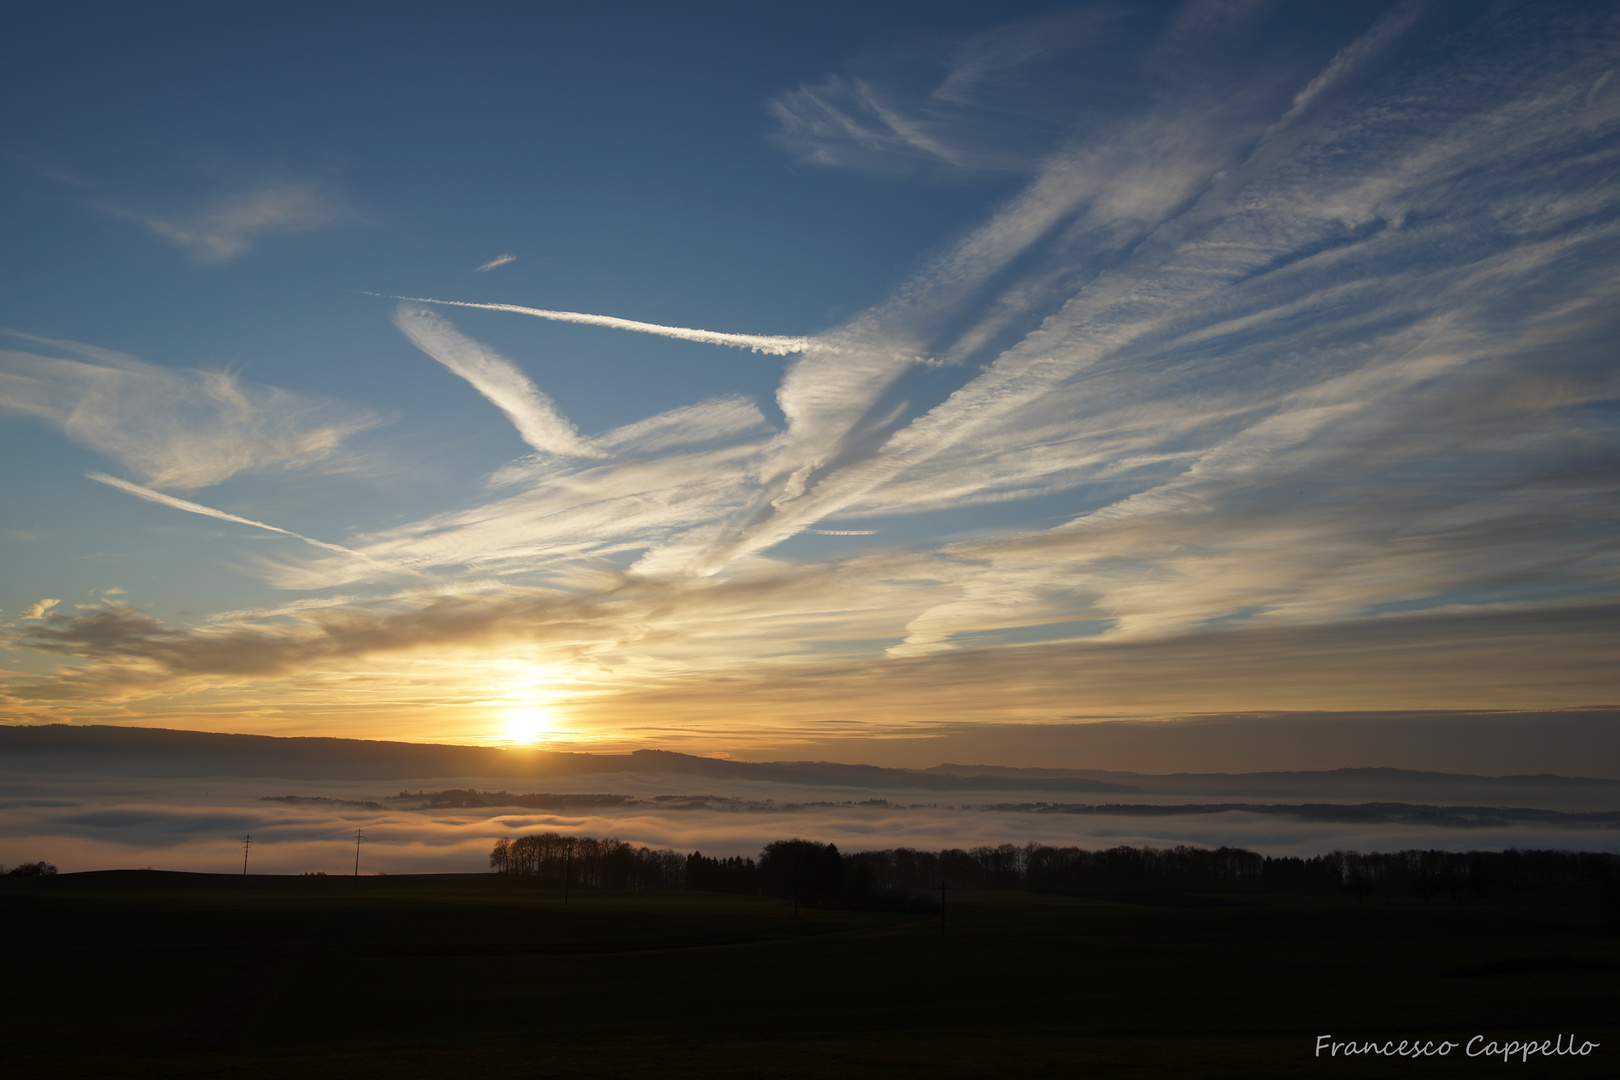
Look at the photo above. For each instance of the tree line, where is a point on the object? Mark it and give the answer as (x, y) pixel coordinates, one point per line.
(819, 875)
(1227, 869)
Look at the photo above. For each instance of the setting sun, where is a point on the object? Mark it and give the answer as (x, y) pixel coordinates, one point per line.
(527, 724)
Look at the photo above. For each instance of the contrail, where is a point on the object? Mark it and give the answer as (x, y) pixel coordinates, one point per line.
(534, 414)
(499, 260)
(207, 511)
(770, 344)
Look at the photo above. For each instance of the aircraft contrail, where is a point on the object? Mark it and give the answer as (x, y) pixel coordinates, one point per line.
(207, 511)
(770, 344)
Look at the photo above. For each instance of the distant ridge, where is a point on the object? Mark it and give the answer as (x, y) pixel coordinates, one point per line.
(1359, 778)
(163, 752)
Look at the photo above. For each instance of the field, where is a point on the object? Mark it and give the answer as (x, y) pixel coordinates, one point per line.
(152, 974)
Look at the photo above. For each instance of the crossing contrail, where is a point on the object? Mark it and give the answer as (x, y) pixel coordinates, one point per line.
(207, 511)
(770, 344)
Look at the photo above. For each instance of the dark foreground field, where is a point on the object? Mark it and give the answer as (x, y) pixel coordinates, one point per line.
(141, 973)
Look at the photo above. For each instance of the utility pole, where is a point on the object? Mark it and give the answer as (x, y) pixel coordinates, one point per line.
(568, 864)
(359, 835)
(247, 842)
(942, 887)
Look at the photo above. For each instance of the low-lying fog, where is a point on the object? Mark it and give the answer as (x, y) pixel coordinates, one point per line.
(80, 822)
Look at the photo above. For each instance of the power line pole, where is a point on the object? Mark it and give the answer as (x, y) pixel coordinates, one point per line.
(247, 842)
(359, 835)
(942, 887)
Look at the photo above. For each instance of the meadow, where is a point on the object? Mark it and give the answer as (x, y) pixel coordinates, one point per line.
(159, 974)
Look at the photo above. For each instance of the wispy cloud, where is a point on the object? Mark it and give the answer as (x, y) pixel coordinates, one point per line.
(38, 609)
(996, 101)
(49, 169)
(719, 418)
(534, 414)
(175, 428)
(228, 225)
(1354, 56)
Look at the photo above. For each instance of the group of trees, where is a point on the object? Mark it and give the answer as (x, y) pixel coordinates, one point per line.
(819, 875)
(587, 862)
(730, 875)
(29, 869)
(1038, 866)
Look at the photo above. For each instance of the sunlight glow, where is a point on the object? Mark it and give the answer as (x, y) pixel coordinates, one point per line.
(527, 724)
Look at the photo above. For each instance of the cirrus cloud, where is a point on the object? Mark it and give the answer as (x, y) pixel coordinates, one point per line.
(183, 429)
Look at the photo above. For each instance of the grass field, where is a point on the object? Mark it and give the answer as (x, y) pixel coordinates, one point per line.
(150, 974)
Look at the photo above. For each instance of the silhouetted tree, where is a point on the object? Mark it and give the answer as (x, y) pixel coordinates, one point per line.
(730, 875)
(32, 869)
(1359, 886)
(1481, 878)
(803, 869)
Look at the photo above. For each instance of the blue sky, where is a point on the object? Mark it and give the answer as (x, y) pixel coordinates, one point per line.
(1094, 359)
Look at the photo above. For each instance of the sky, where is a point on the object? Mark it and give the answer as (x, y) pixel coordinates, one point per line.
(752, 378)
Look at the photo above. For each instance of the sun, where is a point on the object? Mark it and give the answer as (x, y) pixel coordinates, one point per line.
(527, 724)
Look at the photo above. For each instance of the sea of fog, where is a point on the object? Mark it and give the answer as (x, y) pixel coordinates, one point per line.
(92, 822)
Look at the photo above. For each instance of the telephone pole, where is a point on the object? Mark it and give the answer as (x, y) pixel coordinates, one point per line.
(359, 835)
(942, 887)
(247, 842)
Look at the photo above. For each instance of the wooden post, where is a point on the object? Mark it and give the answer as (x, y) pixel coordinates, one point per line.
(942, 888)
(247, 842)
(359, 834)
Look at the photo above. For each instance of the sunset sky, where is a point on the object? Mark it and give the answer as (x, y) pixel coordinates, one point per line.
(739, 377)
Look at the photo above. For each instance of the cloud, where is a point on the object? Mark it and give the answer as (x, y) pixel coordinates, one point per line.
(229, 225)
(1531, 658)
(1358, 53)
(707, 421)
(848, 122)
(1092, 368)
(534, 415)
(174, 428)
(562, 515)
(770, 344)
(499, 260)
(206, 511)
(993, 102)
(38, 609)
(51, 170)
